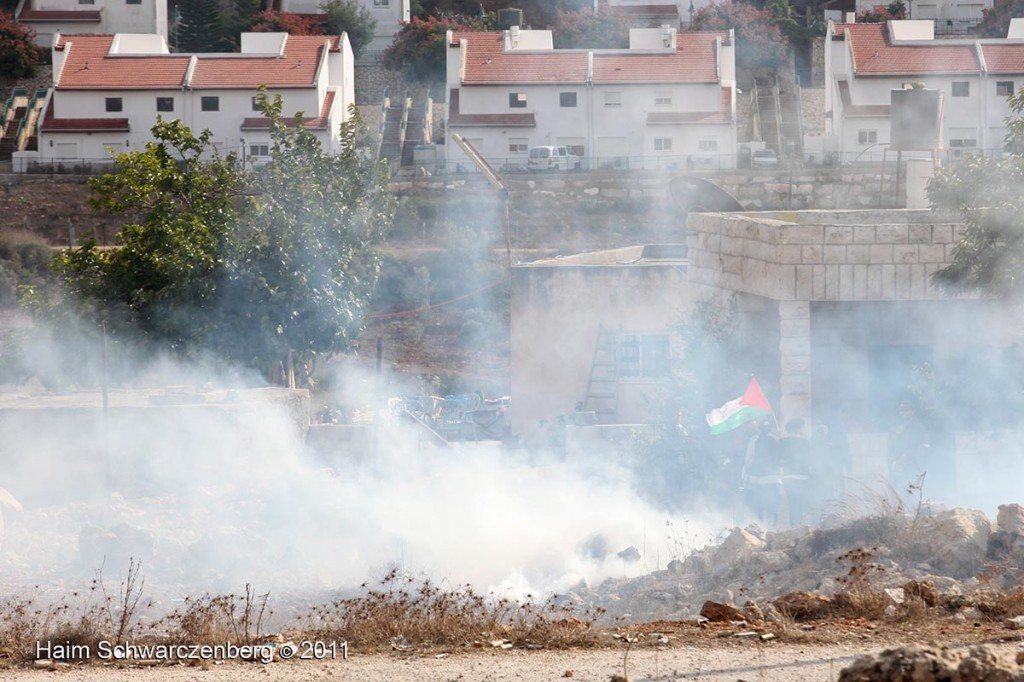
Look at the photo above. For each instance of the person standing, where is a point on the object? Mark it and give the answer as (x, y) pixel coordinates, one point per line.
(795, 456)
(761, 478)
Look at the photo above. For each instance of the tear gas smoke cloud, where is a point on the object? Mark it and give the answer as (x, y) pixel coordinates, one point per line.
(214, 496)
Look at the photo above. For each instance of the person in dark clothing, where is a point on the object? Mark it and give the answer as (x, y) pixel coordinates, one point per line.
(762, 476)
(795, 458)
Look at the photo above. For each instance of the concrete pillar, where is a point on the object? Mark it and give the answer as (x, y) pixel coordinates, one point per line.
(795, 353)
(918, 172)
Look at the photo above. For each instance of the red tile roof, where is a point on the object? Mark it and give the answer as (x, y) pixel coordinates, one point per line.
(724, 115)
(1008, 58)
(30, 15)
(88, 66)
(321, 122)
(694, 61)
(875, 55)
(486, 62)
(81, 125)
(505, 120)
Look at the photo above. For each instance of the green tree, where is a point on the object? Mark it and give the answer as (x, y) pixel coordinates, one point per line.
(244, 265)
(348, 16)
(18, 52)
(200, 26)
(760, 44)
(996, 20)
(985, 194)
(584, 29)
(238, 17)
(419, 50)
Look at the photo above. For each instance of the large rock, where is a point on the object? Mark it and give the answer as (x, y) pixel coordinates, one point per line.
(716, 612)
(1010, 519)
(738, 546)
(804, 605)
(954, 542)
(912, 664)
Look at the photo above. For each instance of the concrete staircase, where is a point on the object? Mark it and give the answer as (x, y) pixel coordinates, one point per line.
(778, 118)
(405, 123)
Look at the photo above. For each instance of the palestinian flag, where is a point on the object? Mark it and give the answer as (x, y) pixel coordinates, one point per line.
(751, 405)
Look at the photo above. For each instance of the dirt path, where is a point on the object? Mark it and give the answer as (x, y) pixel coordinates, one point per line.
(764, 662)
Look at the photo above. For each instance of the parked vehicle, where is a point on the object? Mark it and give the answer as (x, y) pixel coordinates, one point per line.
(553, 158)
(764, 158)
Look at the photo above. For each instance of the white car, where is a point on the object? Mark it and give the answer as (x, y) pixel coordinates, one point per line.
(764, 158)
(553, 158)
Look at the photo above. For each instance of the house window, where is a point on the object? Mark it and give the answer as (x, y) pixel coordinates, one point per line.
(867, 137)
(210, 103)
(134, 2)
(517, 100)
(86, 2)
(644, 355)
(256, 103)
(381, 3)
(613, 99)
(518, 145)
(165, 104)
(708, 145)
(1004, 88)
(963, 143)
(663, 144)
(567, 99)
(114, 104)
(961, 89)
(259, 150)
(663, 99)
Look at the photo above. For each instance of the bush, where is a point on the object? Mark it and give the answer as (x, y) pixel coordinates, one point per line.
(24, 260)
(18, 51)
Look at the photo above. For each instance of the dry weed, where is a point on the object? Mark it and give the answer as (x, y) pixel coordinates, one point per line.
(858, 596)
(216, 619)
(413, 611)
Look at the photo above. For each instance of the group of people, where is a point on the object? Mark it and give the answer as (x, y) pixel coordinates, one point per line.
(787, 477)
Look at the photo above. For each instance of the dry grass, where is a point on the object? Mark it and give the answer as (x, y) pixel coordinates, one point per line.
(407, 612)
(404, 612)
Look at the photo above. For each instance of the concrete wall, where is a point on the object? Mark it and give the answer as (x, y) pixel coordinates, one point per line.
(557, 306)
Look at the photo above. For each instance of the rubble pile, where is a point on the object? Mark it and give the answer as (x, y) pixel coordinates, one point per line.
(912, 664)
(951, 559)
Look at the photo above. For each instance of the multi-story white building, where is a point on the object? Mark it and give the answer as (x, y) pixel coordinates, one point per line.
(65, 17)
(864, 63)
(389, 14)
(669, 101)
(109, 90)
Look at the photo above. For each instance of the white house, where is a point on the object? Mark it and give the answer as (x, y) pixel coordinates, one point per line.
(51, 17)
(668, 101)
(109, 90)
(949, 16)
(389, 14)
(864, 63)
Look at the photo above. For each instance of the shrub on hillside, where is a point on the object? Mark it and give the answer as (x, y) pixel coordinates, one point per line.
(18, 51)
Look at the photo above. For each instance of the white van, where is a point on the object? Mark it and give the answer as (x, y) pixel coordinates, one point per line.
(553, 158)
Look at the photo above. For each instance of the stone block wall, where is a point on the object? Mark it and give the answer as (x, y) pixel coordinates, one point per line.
(822, 255)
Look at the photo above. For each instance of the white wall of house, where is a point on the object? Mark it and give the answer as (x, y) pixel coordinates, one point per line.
(608, 123)
(973, 117)
(116, 16)
(233, 105)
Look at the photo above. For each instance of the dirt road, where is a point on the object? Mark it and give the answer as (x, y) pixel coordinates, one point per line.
(764, 662)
